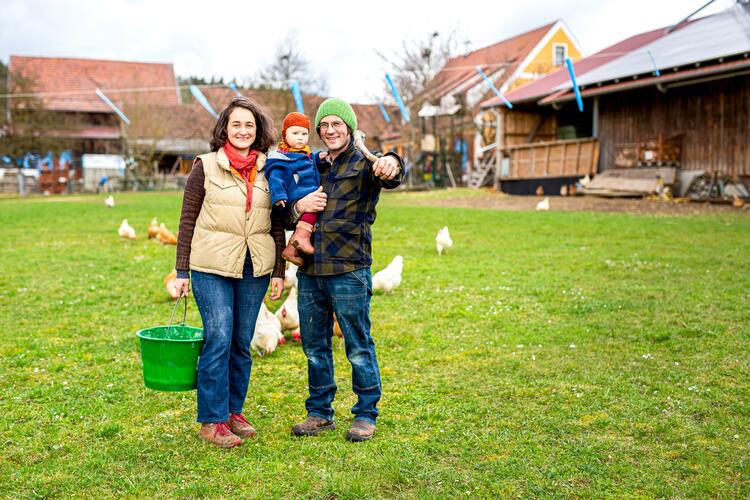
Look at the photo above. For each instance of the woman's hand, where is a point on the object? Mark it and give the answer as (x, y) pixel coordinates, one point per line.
(277, 288)
(313, 202)
(182, 286)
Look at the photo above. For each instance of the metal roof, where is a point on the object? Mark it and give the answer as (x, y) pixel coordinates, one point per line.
(720, 35)
(547, 84)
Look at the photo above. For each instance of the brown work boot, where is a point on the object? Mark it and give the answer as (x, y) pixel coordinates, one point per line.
(301, 238)
(360, 431)
(290, 253)
(240, 426)
(220, 435)
(313, 426)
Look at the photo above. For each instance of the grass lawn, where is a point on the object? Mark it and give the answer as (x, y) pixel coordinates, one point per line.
(548, 354)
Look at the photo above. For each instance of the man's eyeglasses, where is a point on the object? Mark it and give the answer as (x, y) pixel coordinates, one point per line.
(335, 125)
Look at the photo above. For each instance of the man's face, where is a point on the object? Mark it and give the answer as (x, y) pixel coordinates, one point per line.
(334, 133)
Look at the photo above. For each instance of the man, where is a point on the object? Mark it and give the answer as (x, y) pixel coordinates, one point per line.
(336, 278)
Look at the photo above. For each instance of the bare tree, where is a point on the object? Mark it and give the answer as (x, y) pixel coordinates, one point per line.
(29, 126)
(418, 62)
(290, 63)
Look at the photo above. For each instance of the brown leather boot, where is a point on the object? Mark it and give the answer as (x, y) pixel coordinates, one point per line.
(301, 238)
(360, 431)
(290, 253)
(220, 435)
(313, 426)
(240, 426)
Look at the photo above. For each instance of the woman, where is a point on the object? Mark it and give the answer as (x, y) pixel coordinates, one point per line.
(230, 241)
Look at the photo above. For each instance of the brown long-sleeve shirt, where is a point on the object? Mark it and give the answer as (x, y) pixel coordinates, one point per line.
(192, 201)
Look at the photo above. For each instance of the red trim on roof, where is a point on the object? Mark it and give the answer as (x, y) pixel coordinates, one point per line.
(568, 95)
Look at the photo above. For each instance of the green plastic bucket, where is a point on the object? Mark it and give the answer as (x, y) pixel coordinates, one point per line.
(169, 356)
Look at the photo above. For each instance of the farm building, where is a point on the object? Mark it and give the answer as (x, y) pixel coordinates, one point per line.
(678, 96)
(448, 133)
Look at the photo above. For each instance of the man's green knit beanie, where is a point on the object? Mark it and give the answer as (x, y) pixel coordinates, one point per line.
(339, 108)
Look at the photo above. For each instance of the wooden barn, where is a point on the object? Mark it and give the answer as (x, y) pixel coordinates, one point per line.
(677, 96)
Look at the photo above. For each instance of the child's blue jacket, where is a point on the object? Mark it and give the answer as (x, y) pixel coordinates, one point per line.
(290, 176)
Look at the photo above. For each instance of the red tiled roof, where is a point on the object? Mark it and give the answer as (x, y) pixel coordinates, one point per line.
(70, 84)
(510, 53)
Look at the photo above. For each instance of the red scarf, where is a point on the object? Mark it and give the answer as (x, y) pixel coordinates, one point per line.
(244, 166)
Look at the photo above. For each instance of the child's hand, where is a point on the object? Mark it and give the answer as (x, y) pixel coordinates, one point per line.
(323, 155)
(281, 203)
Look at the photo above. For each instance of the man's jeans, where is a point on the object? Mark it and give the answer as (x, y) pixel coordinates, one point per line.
(348, 295)
(229, 308)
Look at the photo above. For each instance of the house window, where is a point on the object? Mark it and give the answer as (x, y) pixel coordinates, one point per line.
(559, 53)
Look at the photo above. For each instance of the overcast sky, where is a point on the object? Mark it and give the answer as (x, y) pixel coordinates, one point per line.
(234, 39)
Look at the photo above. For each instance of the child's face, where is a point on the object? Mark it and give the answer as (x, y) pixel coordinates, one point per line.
(296, 137)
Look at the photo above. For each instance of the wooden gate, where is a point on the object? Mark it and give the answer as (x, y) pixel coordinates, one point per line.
(539, 160)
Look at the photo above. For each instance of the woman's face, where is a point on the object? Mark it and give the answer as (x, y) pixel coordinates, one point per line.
(241, 129)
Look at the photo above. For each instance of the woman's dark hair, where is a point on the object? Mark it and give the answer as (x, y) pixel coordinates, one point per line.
(264, 131)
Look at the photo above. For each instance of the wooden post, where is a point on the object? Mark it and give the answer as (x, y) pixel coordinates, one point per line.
(452, 150)
(499, 139)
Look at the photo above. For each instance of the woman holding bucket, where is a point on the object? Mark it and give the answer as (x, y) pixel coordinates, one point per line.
(230, 241)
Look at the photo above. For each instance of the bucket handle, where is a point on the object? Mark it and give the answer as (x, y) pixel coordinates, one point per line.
(184, 312)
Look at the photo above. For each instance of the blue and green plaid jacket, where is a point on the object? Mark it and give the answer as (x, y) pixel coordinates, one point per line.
(342, 237)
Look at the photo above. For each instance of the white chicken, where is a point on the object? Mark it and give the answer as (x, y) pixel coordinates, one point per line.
(543, 205)
(126, 230)
(388, 279)
(267, 334)
(443, 240)
(110, 201)
(288, 314)
(290, 277)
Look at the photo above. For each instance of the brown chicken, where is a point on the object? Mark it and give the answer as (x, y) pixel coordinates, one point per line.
(169, 284)
(153, 228)
(337, 328)
(166, 236)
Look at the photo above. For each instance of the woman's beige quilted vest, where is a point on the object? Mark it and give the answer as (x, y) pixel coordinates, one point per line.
(224, 231)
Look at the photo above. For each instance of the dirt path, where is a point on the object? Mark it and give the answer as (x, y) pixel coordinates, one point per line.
(500, 201)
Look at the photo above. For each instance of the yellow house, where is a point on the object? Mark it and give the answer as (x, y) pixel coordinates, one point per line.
(549, 55)
(453, 97)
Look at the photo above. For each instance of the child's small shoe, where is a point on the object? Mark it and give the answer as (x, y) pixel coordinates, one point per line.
(301, 238)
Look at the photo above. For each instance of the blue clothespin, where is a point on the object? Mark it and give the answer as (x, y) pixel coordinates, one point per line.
(576, 90)
(397, 97)
(202, 100)
(492, 86)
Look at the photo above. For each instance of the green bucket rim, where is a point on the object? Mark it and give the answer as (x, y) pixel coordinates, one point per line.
(140, 333)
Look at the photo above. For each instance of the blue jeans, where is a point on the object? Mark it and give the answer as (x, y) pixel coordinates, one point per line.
(229, 308)
(348, 295)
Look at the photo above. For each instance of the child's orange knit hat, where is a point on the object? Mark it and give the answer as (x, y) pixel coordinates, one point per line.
(294, 119)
